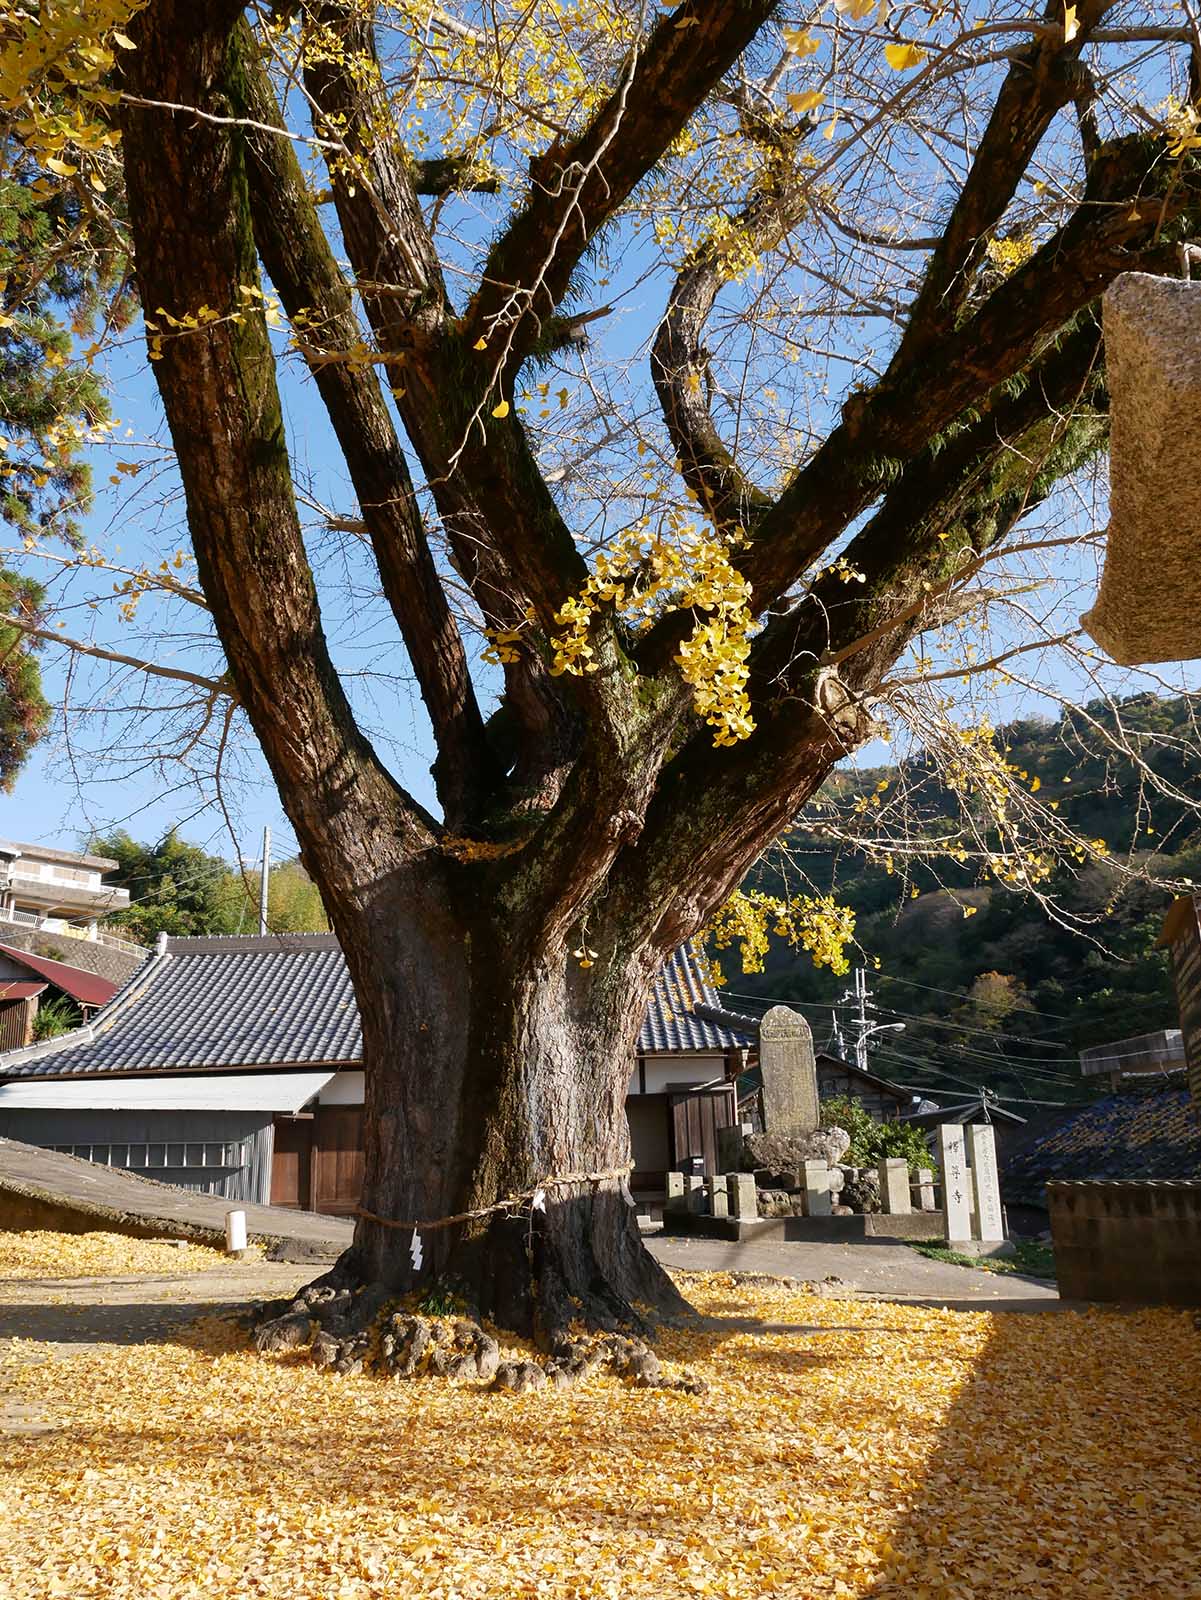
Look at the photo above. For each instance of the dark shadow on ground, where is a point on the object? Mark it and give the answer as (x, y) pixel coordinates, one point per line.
(1067, 1468)
(134, 1322)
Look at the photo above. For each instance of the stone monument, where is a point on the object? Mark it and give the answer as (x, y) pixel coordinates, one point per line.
(894, 1186)
(986, 1184)
(956, 1183)
(789, 1070)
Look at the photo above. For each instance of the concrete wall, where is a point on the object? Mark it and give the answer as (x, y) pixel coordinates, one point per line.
(1127, 1241)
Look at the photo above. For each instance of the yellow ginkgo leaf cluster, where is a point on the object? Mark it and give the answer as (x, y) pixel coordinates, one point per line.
(815, 923)
(685, 568)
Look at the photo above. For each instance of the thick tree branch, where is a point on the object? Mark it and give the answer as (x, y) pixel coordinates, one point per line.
(302, 267)
(509, 540)
(510, 543)
(1045, 77)
(679, 361)
(190, 213)
(1133, 208)
(950, 503)
(578, 186)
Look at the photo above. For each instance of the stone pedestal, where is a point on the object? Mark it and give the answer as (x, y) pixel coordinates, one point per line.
(894, 1186)
(818, 1202)
(789, 1070)
(694, 1193)
(925, 1189)
(719, 1198)
(675, 1193)
(742, 1199)
(956, 1181)
(990, 1224)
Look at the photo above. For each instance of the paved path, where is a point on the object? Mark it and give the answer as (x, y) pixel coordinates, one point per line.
(63, 1315)
(882, 1269)
(41, 1188)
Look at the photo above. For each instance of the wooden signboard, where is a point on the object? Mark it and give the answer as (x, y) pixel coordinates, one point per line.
(1184, 931)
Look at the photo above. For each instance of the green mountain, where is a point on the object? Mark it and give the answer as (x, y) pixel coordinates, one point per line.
(995, 987)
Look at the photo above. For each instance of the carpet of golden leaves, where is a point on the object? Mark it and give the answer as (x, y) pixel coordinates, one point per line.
(98, 1255)
(844, 1449)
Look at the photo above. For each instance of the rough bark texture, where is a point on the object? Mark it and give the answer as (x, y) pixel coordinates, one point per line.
(526, 1085)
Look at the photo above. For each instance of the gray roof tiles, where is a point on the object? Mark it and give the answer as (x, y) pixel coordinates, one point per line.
(284, 1000)
(670, 1023)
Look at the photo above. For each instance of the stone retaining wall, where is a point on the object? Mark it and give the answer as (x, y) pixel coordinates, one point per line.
(118, 966)
(1127, 1241)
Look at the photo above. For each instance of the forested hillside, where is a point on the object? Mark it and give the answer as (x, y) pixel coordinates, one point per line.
(993, 988)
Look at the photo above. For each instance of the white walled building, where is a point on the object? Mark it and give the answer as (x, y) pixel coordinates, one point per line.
(60, 891)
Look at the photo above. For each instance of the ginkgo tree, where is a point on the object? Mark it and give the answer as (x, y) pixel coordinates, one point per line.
(686, 365)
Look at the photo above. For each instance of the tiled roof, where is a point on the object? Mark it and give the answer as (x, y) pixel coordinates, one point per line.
(282, 1000)
(1140, 1133)
(87, 987)
(670, 1024)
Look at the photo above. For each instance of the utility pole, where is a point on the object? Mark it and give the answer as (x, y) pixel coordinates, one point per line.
(266, 870)
(837, 1043)
(864, 1027)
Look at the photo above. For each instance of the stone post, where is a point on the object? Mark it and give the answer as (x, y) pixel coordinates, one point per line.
(719, 1198)
(694, 1193)
(956, 1182)
(675, 1193)
(985, 1182)
(789, 1070)
(894, 1186)
(743, 1198)
(817, 1189)
(730, 1141)
(925, 1189)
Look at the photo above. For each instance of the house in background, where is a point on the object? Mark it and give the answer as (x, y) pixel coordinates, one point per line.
(234, 1065)
(28, 982)
(839, 1079)
(1182, 936)
(57, 891)
(1147, 1130)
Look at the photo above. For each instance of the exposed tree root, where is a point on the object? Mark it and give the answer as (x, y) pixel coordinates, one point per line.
(351, 1328)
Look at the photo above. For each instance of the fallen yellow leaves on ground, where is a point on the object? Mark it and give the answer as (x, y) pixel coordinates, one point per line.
(98, 1255)
(844, 1449)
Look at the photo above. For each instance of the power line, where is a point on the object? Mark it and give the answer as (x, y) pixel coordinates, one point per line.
(961, 994)
(962, 1027)
(913, 1016)
(973, 1089)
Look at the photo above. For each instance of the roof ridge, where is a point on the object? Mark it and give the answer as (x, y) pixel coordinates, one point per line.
(203, 944)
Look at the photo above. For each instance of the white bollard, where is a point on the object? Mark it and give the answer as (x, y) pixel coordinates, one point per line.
(235, 1232)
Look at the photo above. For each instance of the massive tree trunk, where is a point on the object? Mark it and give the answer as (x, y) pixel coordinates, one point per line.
(507, 1077)
(493, 1073)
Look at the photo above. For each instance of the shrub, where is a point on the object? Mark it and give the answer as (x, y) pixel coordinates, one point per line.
(873, 1141)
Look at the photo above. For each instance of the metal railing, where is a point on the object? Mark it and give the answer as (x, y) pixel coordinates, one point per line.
(57, 927)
